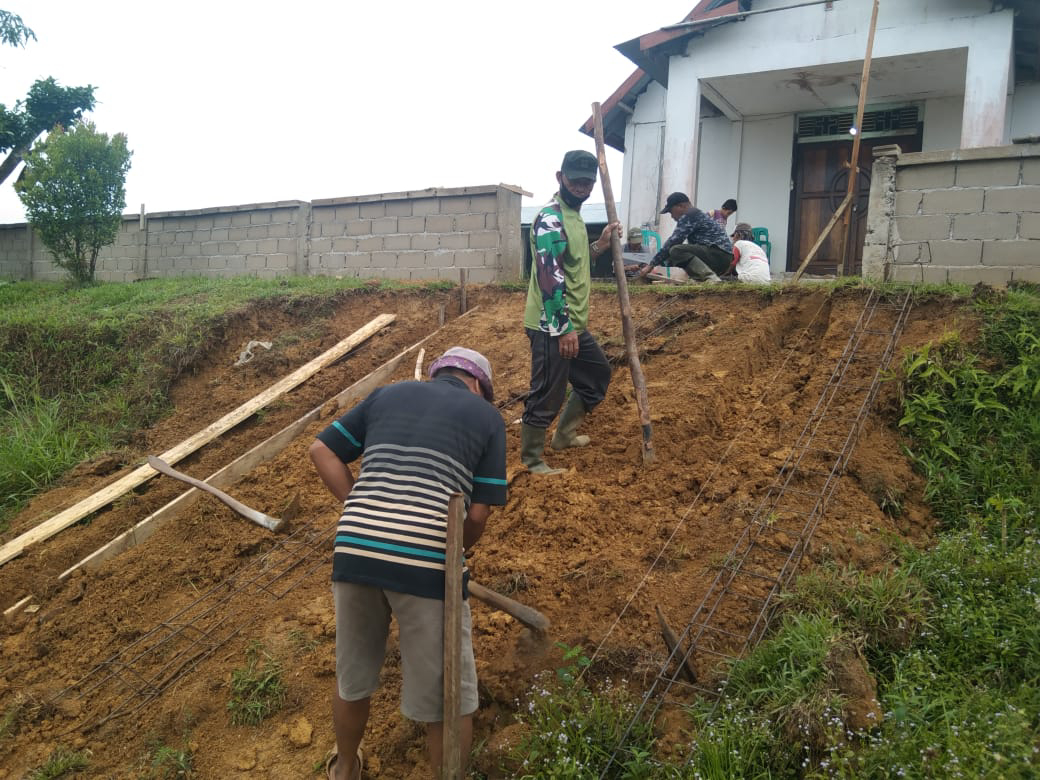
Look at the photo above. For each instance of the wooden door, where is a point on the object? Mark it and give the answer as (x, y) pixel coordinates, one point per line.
(821, 180)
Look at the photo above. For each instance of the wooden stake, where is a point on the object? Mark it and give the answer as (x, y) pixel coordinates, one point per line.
(634, 366)
(452, 757)
(104, 497)
(671, 641)
(462, 291)
(418, 364)
(844, 265)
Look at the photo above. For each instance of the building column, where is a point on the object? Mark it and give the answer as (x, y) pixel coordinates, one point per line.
(986, 86)
(681, 135)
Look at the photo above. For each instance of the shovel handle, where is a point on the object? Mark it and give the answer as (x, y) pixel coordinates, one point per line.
(268, 522)
(529, 616)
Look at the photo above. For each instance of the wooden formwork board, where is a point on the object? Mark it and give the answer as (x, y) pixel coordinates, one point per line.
(102, 498)
(231, 473)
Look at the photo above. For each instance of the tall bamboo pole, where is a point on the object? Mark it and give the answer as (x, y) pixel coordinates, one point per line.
(854, 160)
(844, 210)
(634, 366)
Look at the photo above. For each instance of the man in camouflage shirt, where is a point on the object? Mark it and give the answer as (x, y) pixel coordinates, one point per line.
(709, 251)
(556, 317)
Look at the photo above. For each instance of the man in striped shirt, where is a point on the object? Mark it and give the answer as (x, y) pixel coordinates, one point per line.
(421, 442)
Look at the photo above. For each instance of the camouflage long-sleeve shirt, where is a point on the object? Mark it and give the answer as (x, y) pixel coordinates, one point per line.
(558, 295)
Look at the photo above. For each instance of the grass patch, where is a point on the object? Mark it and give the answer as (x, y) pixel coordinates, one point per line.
(170, 763)
(83, 368)
(257, 689)
(60, 763)
(573, 730)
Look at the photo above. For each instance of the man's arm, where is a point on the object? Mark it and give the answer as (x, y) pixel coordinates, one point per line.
(680, 234)
(336, 475)
(474, 524)
(550, 244)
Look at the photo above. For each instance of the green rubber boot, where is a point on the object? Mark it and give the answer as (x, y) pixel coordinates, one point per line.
(532, 445)
(570, 419)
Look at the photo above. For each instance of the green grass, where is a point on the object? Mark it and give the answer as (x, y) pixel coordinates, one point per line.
(60, 764)
(950, 636)
(83, 368)
(170, 763)
(257, 689)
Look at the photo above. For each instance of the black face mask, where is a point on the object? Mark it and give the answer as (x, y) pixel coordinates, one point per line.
(570, 198)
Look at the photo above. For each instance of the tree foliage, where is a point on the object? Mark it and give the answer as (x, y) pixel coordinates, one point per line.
(73, 193)
(46, 105)
(13, 31)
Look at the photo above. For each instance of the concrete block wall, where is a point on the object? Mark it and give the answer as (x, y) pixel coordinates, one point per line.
(419, 235)
(966, 216)
(423, 234)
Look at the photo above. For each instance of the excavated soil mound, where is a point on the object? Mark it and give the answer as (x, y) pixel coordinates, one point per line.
(140, 651)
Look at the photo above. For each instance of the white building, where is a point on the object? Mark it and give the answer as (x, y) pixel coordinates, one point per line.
(754, 100)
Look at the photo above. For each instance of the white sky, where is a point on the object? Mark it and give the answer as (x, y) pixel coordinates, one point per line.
(230, 102)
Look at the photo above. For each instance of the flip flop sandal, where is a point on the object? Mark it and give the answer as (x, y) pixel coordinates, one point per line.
(333, 757)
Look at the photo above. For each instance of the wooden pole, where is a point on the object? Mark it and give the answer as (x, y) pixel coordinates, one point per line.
(864, 79)
(451, 768)
(634, 366)
(462, 291)
(822, 237)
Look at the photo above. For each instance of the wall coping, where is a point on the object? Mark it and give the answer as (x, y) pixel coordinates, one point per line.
(1010, 152)
(429, 192)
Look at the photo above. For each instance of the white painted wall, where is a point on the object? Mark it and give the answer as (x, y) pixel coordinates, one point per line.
(942, 123)
(1025, 111)
(718, 172)
(641, 187)
(803, 38)
(765, 181)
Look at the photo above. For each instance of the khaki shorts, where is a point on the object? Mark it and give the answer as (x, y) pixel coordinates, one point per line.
(362, 626)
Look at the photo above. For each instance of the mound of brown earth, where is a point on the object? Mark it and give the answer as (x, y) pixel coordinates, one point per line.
(732, 377)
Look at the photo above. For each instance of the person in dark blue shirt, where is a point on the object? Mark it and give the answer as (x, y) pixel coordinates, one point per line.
(698, 244)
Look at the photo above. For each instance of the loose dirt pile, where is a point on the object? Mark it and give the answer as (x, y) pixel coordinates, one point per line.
(732, 378)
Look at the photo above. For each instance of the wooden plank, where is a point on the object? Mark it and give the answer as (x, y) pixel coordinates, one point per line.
(231, 473)
(452, 748)
(12, 611)
(102, 498)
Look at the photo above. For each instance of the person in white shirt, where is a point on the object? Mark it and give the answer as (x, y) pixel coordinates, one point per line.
(749, 259)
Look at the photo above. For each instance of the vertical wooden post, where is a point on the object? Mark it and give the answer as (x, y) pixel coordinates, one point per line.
(451, 768)
(142, 242)
(844, 265)
(634, 366)
(462, 291)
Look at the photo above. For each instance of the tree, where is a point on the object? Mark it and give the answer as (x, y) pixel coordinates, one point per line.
(47, 104)
(13, 31)
(73, 193)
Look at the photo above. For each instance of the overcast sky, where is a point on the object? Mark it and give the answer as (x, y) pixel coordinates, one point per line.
(229, 102)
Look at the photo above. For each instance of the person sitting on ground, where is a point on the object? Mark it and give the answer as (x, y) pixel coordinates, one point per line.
(722, 215)
(709, 251)
(749, 259)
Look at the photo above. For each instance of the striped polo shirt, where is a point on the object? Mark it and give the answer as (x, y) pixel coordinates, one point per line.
(420, 442)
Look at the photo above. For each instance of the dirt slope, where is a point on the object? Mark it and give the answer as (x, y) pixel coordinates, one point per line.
(732, 378)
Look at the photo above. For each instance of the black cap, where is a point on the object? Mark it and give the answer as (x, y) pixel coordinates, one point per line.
(579, 164)
(674, 200)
